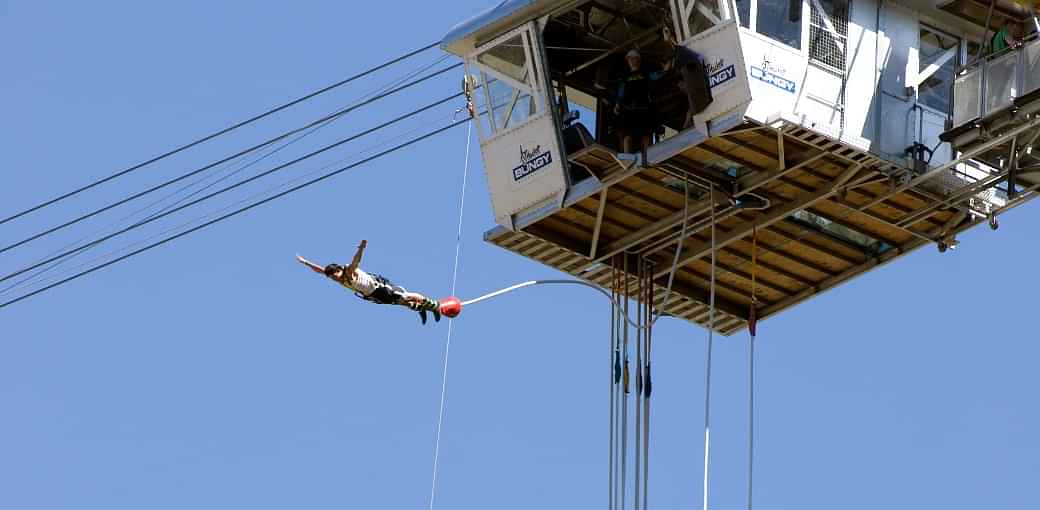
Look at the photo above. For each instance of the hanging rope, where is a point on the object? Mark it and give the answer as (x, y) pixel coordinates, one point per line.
(451, 322)
(618, 379)
(711, 338)
(614, 369)
(752, 325)
(678, 246)
(625, 384)
(647, 384)
(640, 317)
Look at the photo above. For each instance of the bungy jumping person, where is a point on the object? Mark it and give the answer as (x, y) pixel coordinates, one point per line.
(375, 288)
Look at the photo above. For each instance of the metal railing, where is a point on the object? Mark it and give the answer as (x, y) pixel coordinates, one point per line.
(991, 84)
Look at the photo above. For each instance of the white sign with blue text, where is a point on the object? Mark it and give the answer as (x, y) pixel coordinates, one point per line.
(523, 167)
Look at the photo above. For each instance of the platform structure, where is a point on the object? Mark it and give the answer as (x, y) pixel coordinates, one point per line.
(803, 197)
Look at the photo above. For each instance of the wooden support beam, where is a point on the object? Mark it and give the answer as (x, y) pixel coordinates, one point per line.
(599, 222)
(776, 213)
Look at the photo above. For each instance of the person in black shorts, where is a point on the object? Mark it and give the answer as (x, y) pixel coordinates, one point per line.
(634, 104)
(374, 287)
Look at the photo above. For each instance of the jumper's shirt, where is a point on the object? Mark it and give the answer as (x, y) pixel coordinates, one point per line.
(361, 282)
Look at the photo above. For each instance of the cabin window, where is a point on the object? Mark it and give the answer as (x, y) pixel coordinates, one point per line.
(828, 33)
(939, 56)
(509, 94)
(777, 20)
(744, 12)
(704, 16)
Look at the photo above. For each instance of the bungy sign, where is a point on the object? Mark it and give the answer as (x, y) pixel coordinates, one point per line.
(523, 167)
(775, 73)
(720, 49)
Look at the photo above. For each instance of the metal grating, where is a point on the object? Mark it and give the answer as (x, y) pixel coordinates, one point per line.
(828, 33)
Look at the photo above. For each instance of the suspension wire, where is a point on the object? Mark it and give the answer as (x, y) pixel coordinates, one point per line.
(451, 321)
(250, 198)
(216, 134)
(711, 338)
(89, 246)
(237, 212)
(233, 186)
(37, 278)
(334, 115)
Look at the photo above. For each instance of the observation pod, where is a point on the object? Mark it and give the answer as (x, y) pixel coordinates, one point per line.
(825, 150)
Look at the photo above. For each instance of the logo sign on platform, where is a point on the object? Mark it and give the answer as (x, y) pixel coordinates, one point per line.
(524, 167)
(724, 62)
(773, 79)
(531, 161)
(719, 73)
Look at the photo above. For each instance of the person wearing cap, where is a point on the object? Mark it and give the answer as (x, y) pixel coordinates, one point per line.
(375, 288)
(634, 103)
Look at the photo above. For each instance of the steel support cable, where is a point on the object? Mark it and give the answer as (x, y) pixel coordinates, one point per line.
(711, 338)
(236, 212)
(451, 322)
(67, 254)
(83, 249)
(384, 88)
(237, 203)
(233, 186)
(229, 158)
(216, 134)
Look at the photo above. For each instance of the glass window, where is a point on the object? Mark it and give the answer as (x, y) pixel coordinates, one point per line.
(744, 12)
(774, 20)
(508, 58)
(509, 94)
(703, 15)
(939, 57)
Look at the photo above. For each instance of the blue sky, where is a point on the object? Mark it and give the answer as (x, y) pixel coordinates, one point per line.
(215, 372)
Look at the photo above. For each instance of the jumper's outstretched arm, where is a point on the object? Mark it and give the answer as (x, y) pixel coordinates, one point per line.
(357, 258)
(314, 267)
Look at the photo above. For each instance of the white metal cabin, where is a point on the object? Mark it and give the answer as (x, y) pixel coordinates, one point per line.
(844, 133)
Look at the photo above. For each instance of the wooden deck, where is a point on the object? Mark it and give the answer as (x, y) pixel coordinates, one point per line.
(831, 212)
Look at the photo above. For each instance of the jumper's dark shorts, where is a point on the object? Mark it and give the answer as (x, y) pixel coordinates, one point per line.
(386, 293)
